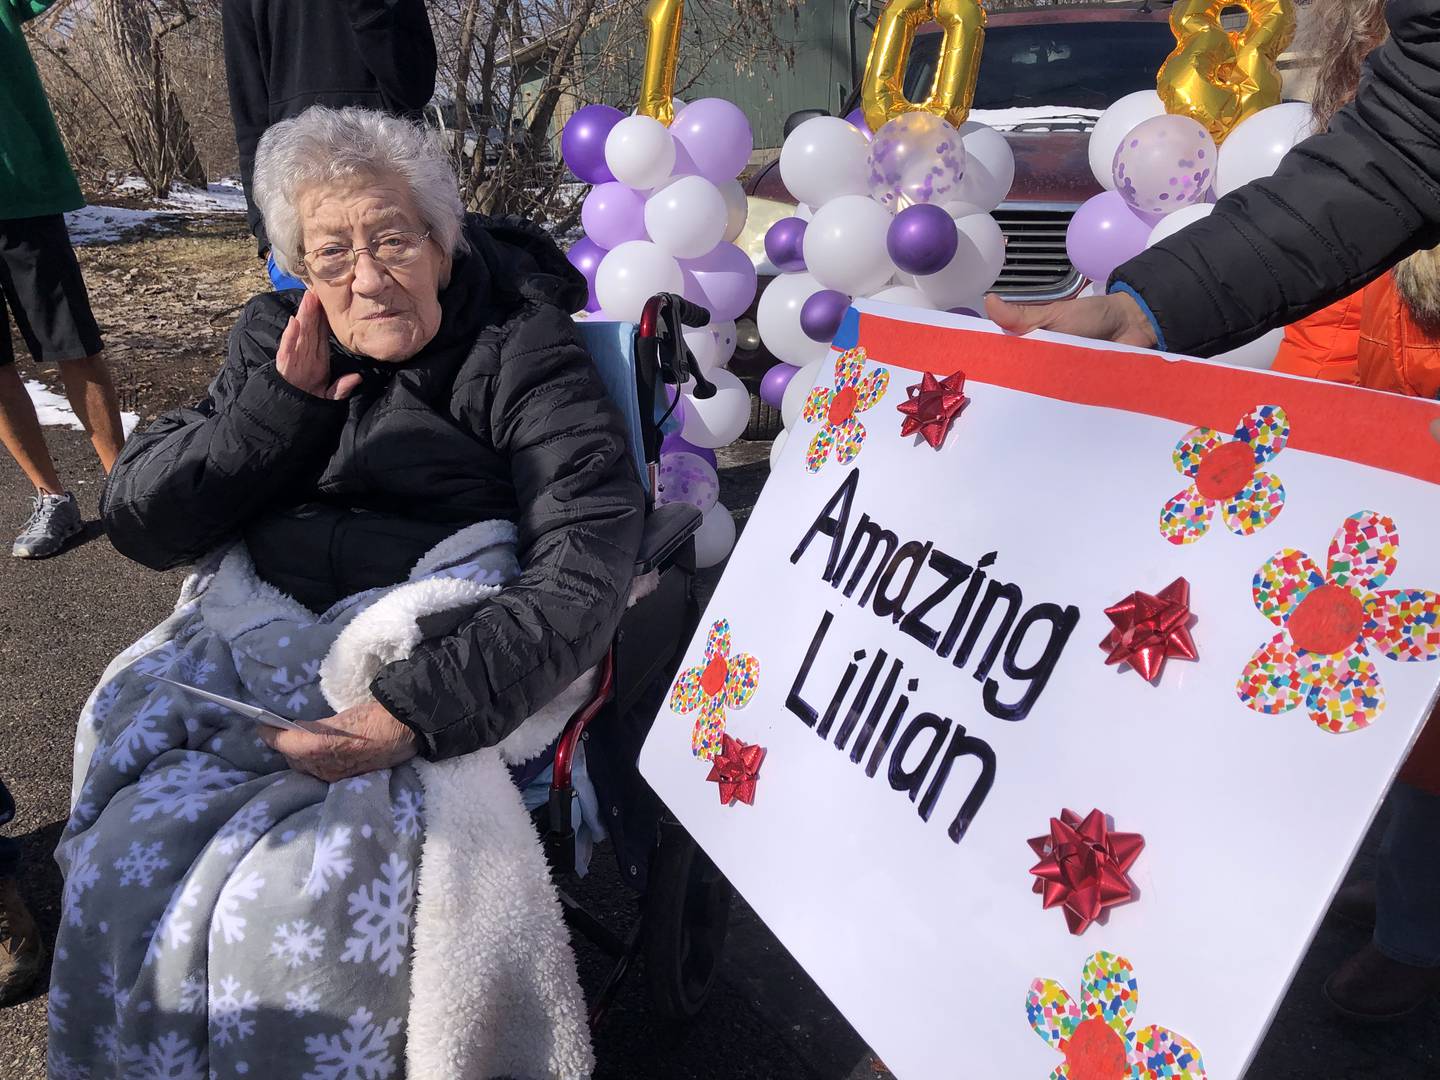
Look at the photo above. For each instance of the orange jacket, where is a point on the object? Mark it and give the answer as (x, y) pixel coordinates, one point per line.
(1323, 345)
(1393, 352)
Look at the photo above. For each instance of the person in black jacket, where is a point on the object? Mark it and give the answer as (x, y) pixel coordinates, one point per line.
(1344, 206)
(282, 56)
(430, 378)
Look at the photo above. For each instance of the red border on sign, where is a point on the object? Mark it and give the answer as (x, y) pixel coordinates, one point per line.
(1386, 431)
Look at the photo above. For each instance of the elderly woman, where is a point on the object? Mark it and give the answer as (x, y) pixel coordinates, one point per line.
(422, 418)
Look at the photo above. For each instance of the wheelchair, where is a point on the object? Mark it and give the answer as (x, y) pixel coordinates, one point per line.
(684, 900)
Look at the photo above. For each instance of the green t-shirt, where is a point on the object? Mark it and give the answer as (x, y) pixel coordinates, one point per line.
(35, 174)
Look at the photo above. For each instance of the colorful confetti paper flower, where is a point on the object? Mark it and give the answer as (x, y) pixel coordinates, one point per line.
(1095, 1035)
(1320, 658)
(722, 682)
(835, 409)
(1227, 473)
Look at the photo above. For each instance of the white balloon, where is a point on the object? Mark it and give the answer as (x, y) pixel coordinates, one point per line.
(727, 340)
(702, 344)
(1254, 149)
(716, 536)
(845, 245)
(1170, 224)
(777, 447)
(977, 263)
(718, 420)
(1259, 353)
(904, 296)
(801, 383)
(737, 209)
(962, 209)
(989, 167)
(1114, 124)
(823, 158)
(640, 152)
(686, 218)
(778, 318)
(804, 213)
(633, 273)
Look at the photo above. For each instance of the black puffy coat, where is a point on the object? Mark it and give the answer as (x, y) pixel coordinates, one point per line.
(1344, 207)
(501, 415)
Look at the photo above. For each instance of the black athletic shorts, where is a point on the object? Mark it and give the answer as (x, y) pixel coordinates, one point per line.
(41, 287)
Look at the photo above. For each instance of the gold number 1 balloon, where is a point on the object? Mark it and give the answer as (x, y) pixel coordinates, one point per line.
(882, 92)
(662, 50)
(1220, 77)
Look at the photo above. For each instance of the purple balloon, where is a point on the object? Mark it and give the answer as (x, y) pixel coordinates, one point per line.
(1104, 233)
(966, 311)
(774, 382)
(582, 143)
(716, 135)
(724, 280)
(857, 117)
(820, 315)
(674, 444)
(784, 244)
(922, 239)
(613, 214)
(585, 256)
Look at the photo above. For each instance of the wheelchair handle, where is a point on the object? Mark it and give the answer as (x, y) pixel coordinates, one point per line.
(662, 341)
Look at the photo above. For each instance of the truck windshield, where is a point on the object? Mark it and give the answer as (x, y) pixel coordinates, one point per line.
(1087, 65)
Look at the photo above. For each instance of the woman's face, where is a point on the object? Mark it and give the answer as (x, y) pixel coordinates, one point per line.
(387, 313)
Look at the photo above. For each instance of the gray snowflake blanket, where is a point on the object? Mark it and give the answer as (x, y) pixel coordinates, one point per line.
(227, 917)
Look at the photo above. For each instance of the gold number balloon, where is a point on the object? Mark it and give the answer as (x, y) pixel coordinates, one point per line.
(1220, 77)
(662, 50)
(882, 93)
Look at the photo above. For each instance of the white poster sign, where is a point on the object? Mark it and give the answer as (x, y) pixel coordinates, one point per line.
(898, 719)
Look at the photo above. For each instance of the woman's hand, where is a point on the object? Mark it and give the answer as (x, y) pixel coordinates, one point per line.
(378, 741)
(303, 358)
(1115, 317)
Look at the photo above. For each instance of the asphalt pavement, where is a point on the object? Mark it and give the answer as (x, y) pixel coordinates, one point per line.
(61, 621)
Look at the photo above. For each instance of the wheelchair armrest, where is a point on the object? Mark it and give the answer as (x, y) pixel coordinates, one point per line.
(666, 528)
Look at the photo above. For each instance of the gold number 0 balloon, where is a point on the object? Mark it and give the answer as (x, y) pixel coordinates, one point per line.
(1220, 77)
(882, 92)
(662, 50)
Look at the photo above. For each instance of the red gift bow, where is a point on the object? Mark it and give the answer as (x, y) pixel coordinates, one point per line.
(1083, 865)
(735, 769)
(932, 405)
(1150, 629)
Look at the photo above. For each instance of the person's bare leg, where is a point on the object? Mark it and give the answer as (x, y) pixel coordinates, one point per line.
(20, 432)
(92, 396)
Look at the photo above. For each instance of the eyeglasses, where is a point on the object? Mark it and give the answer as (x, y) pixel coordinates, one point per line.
(393, 250)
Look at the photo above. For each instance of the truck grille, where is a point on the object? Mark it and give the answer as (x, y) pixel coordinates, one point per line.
(1036, 267)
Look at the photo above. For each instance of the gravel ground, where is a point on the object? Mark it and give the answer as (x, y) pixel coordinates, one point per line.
(62, 620)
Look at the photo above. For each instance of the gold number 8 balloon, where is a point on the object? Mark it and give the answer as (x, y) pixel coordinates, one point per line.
(953, 88)
(662, 50)
(1220, 77)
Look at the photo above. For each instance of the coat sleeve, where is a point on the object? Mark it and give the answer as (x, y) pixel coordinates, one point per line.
(194, 478)
(1343, 207)
(249, 99)
(580, 521)
(398, 46)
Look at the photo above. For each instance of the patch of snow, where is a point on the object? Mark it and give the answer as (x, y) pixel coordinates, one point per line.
(222, 197)
(55, 411)
(1009, 119)
(102, 224)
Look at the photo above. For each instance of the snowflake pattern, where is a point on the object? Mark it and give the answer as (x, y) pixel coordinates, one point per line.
(142, 734)
(140, 863)
(80, 876)
(408, 812)
(64, 1067)
(332, 860)
(183, 791)
(167, 1058)
(59, 1001)
(228, 1022)
(302, 1002)
(227, 920)
(192, 995)
(241, 831)
(298, 942)
(361, 1052)
(175, 927)
(382, 929)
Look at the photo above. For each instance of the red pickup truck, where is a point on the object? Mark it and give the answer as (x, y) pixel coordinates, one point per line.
(1046, 74)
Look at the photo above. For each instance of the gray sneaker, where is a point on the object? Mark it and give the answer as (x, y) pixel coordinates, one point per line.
(55, 521)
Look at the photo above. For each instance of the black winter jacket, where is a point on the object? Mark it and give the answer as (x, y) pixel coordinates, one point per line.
(501, 415)
(282, 56)
(1343, 207)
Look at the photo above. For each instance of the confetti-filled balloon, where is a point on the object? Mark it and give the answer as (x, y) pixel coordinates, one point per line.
(1165, 163)
(686, 478)
(916, 158)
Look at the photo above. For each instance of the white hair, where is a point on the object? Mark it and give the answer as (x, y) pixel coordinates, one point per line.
(325, 146)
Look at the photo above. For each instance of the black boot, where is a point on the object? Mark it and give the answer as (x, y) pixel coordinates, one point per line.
(1372, 987)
